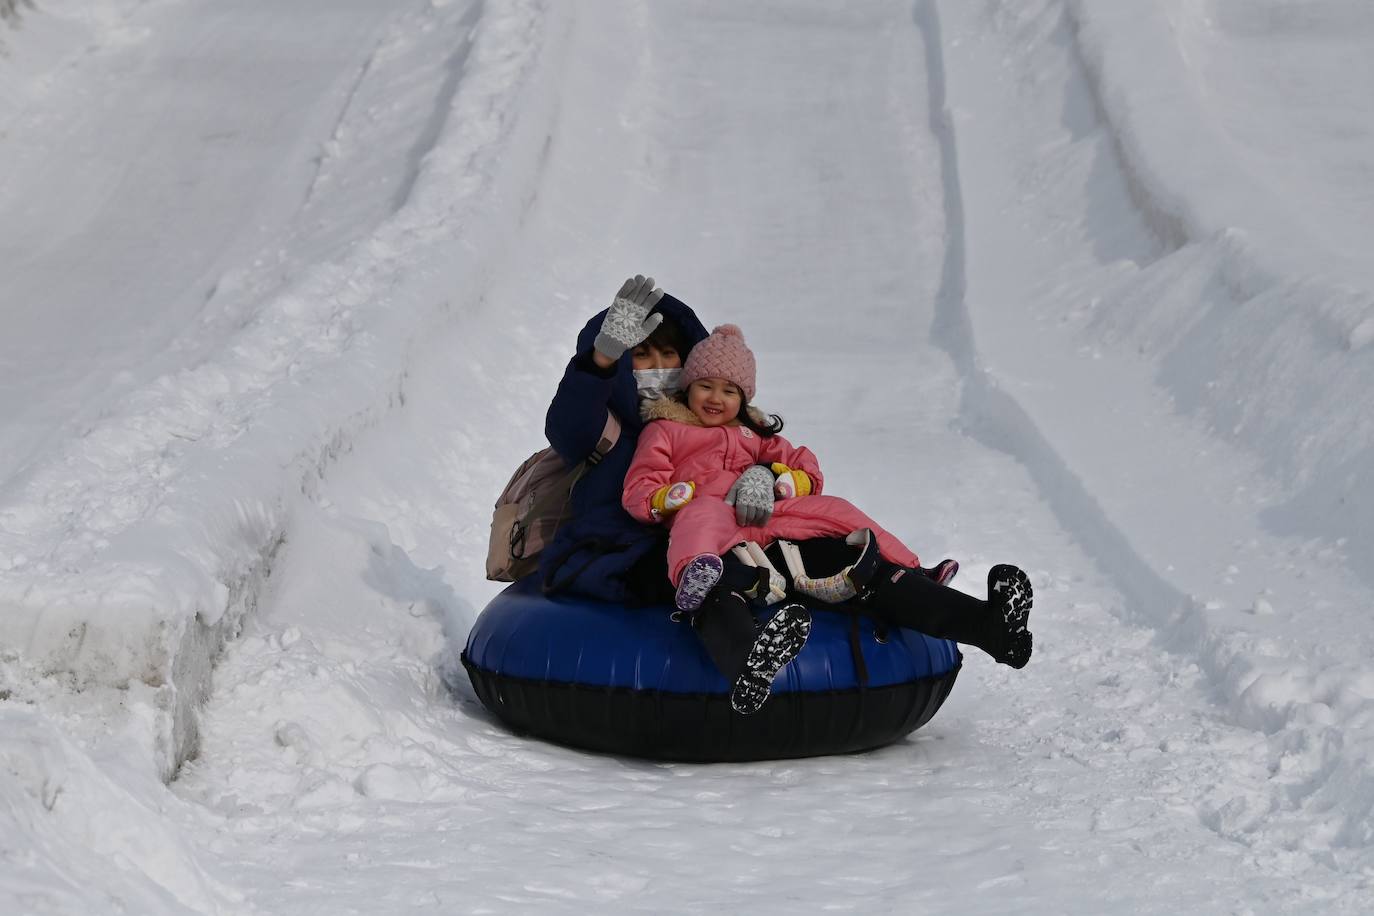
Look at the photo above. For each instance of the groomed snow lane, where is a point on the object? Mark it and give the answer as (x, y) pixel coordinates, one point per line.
(1102, 778)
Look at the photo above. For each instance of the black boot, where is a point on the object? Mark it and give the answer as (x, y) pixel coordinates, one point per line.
(780, 641)
(749, 656)
(1009, 591)
(905, 598)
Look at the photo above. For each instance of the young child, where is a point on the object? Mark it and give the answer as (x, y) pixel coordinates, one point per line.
(685, 465)
(688, 459)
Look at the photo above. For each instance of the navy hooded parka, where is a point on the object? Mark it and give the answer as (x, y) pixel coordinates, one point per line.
(594, 550)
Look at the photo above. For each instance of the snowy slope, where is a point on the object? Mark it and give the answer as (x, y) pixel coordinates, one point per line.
(136, 535)
(1046, 282)
(1218, 396)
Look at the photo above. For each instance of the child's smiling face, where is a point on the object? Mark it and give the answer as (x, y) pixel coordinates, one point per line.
(715, 401)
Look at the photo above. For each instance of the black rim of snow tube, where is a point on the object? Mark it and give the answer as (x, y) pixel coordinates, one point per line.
(702, 727)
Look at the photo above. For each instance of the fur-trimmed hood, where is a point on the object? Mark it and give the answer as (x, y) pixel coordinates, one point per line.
(670, 408)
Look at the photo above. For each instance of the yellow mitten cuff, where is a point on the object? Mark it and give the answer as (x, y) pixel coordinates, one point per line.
(790, 482)
(669, 499)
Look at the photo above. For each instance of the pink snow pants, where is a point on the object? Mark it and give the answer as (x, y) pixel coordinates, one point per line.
(707, 525)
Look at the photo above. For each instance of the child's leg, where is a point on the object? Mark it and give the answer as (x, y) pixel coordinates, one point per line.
(704, 525)
(804, 517)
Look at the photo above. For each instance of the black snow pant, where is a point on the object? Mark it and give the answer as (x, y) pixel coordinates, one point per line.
(907, 598)
(726, 627)
(897, 597)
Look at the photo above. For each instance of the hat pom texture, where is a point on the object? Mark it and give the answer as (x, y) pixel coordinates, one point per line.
(722, 355)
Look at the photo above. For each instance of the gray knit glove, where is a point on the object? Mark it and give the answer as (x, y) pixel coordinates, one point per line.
(628, 323)
(752, 496)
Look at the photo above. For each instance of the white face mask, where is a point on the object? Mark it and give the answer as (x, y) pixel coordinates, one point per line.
(653, 384)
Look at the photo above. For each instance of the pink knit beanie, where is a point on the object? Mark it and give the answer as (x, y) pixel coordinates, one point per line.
(722, 355)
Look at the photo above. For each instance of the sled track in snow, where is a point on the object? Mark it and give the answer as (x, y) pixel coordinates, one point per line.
(433, 129)
(337, 345)
(993, 416)
(1276, 276)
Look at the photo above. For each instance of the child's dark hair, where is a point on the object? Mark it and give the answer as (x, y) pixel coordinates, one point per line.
(763, 430)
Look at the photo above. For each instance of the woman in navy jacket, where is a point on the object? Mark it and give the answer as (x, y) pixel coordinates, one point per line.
(601, 552)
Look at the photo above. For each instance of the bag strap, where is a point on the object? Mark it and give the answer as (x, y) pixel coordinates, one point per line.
(610, 435)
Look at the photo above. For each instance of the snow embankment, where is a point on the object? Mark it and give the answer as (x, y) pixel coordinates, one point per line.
(9, 9)
(1179, 366)
(89, 834)
(1244, 132)
(130, 553)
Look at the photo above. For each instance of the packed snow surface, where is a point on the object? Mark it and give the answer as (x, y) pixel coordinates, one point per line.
(286, 289)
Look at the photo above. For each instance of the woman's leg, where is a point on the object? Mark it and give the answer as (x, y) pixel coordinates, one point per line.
(726, 628)
(749, 656)
(646, 582)
(906, 598)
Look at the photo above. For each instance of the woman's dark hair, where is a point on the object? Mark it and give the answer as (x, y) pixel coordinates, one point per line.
(669, 336)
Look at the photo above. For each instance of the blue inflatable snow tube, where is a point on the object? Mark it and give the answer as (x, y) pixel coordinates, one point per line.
(634, 681)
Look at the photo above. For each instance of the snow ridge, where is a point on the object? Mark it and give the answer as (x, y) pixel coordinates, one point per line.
(991, 414)
(10, 10)
(141, 546)
(55, 791)
(1310, 700)
(1296, 404)
(429, 136)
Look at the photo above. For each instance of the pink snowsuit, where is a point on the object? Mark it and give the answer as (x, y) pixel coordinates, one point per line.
(676, 447)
